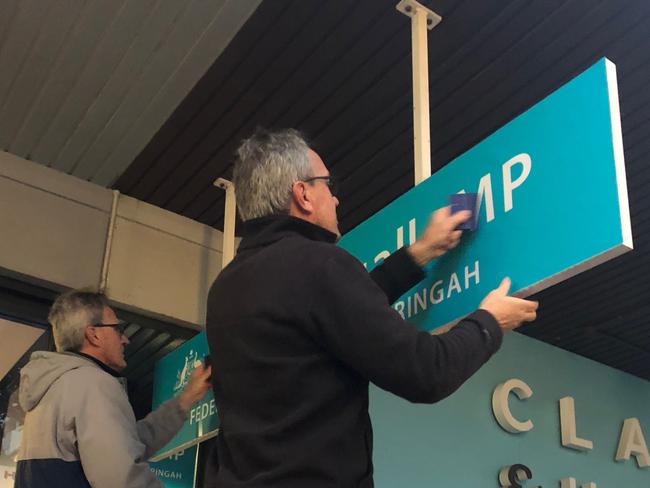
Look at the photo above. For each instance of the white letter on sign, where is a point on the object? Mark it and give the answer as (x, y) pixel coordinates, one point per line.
(633, 442)
(381, 256)
(501, 409)
(568, 426)
(508, 184)
(485, 193)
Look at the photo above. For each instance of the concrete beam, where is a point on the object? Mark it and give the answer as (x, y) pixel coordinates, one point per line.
(54, 229)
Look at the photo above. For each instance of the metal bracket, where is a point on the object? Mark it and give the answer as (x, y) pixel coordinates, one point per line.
(222, 183)
(409, 7)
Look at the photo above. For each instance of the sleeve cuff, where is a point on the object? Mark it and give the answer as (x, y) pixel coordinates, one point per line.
(397, 274)
(492, 333)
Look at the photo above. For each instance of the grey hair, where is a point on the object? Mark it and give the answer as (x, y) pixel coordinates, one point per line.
(268, 163)
(69, 315)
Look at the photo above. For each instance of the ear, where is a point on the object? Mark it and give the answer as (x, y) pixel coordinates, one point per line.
(90, 333)
(301, 198)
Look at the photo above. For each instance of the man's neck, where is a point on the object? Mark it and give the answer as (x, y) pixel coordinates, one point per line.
(99, 363)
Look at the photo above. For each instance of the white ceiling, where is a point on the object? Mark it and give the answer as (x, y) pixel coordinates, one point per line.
(85, 84)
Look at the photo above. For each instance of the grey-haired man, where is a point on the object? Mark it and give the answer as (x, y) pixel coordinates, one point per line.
(297, 329)
(80, 429)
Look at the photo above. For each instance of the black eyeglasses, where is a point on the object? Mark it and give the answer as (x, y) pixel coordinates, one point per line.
(329, 181)
(120, 326)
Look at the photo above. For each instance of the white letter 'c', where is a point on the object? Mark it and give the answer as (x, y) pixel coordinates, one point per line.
(501, 409)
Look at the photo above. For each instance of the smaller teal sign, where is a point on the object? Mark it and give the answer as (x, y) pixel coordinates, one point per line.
(177, 470)
(171, 374)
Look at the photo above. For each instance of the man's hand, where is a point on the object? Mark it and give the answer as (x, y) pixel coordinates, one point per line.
(197, 386)
(440, 235)
(509, 312)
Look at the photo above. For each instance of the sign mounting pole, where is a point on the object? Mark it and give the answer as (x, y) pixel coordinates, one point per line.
(422, 19)
(228, 246)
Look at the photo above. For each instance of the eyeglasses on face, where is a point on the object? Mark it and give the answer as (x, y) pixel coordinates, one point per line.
(120, 326)
(329, 181)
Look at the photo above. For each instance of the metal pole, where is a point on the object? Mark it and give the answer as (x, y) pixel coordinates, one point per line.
(103, 278)
(228, 221)
(422, 19)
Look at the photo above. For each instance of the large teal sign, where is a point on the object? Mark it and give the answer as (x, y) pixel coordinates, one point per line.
(170, 377)
(553, 203)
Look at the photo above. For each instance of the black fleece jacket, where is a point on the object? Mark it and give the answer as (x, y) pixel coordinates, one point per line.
(297, 328)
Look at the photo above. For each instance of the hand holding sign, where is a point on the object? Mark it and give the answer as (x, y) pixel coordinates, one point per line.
(197, 386)
(508, 311)
(440, 235)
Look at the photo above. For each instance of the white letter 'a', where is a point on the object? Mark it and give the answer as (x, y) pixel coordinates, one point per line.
(633, 442)
(501, 409)
(508, 184)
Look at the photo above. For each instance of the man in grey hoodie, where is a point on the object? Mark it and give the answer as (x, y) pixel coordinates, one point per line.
(80, 429)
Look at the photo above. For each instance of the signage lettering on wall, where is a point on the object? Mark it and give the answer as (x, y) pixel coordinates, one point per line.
(568, 426)
(631, 442)
(512, 476)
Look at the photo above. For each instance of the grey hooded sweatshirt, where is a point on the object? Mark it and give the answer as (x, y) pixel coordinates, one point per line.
(80, 429)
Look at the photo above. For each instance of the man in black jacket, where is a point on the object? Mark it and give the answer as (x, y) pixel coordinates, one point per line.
(297, 328)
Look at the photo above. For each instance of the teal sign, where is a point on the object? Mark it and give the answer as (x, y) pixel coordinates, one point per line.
(459, 442)
(177, 470)
(171, 374)
(552, 203)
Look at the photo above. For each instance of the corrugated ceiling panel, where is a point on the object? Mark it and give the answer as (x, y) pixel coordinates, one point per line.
(85, 85)
(79, 46)
(140, 366)
(149, 168)
(138, 355)
(9, 10)
(262, 72)
(178, 40)
(122, 84)
(118, 34)
(37, 67)
(211, 43)
(17, 47)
